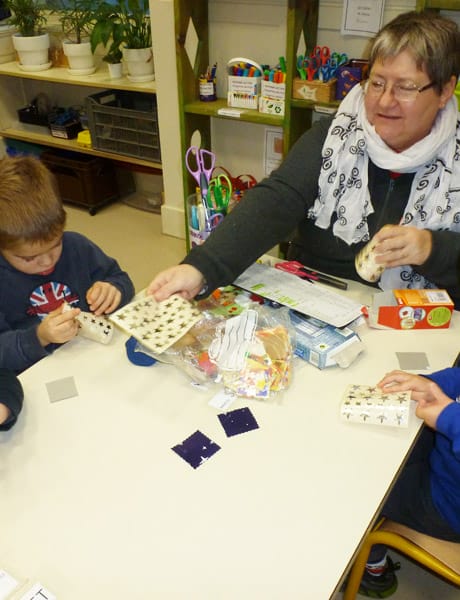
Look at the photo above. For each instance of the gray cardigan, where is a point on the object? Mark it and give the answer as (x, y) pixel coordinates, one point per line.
(276, 210)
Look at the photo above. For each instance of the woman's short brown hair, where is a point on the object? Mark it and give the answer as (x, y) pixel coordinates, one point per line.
(433, 41)
(31, 209)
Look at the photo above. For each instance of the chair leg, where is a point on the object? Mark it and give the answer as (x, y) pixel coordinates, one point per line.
(356, 573)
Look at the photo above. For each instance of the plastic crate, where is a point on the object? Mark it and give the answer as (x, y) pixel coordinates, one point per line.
(83, 179)
(124, 123)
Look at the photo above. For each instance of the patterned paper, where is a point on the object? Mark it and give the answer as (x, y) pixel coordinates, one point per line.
(157, 325)
(369, 404)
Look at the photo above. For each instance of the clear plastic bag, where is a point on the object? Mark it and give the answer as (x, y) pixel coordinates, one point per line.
(247, 348)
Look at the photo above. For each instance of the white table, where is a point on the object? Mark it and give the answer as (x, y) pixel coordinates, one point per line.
(94, 503)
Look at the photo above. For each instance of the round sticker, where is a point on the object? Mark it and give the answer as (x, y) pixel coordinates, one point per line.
(407, 323)
(406, 312)
(439, 316)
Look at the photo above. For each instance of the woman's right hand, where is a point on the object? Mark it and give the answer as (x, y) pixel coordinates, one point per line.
(58, 326)
(184, 280)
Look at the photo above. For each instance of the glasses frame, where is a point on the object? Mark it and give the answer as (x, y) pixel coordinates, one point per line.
(419, 90)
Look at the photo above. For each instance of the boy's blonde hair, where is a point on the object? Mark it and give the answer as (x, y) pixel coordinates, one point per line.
(31, 209)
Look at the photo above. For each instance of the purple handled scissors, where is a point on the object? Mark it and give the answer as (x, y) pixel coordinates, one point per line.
(200, 163)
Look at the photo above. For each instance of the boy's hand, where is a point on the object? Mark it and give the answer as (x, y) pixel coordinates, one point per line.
(184, 280)
(58, 327)
(431, 400)
(103, 298)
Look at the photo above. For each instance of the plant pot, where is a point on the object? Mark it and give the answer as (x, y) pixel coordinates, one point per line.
(33, 51)
(80, 57)
(6, 43)
(139, 64)
(115, 70)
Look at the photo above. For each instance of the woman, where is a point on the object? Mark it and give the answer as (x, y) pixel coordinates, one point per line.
(388, 157)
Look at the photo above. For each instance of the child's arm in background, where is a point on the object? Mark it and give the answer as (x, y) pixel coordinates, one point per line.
(11, 398)
(431, 399)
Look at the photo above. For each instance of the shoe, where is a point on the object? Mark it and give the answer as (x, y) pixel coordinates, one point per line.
(380, 586)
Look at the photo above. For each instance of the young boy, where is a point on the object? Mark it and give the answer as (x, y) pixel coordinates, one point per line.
(426, 495)
(41, 267)
(11, 397)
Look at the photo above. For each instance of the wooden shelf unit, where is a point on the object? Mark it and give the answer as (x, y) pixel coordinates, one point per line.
(57, 78)
(301, 24)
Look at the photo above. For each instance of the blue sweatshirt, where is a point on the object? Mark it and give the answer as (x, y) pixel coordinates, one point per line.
(445, 456)
(26, 299)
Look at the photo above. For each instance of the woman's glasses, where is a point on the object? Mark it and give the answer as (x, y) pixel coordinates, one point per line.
(403, 92)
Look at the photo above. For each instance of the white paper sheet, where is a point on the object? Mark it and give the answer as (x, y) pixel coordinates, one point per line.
(307, 298)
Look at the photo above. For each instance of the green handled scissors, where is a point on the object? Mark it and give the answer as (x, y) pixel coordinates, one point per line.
(219, 192)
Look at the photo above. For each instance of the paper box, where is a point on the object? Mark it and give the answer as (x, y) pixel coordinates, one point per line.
(315, 90)
(348, 75)
(323, 345)
(411, 309)
(271, 100)
(244, 88)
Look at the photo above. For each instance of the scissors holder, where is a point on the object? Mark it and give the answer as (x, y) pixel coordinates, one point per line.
(315, 90)
(244, 87)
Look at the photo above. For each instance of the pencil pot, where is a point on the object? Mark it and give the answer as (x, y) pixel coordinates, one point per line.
(201, 221)
(207, 90)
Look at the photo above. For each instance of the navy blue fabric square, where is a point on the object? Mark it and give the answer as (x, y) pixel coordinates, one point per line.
(196, 449)
(238, 421)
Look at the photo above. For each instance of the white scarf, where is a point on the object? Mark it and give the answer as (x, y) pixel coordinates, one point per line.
(434, 201)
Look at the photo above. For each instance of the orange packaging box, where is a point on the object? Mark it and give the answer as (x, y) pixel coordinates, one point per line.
(411, 309)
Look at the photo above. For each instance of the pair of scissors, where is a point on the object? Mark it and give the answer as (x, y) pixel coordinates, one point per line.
(339, 58)
(322, 53)
(200, 164)
(312, 65)
(300, 67)
(213, 219)
(219, 192)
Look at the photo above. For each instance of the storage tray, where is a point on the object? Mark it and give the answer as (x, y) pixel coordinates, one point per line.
(124, 123)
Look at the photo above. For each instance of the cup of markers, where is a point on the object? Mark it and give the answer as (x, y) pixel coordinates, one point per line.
(207, 85)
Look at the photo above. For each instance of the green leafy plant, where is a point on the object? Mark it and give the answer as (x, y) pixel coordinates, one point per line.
(77, 17)
(124, 23)
(28, 16)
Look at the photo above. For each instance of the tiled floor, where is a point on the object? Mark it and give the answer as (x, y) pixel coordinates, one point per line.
(134, 238)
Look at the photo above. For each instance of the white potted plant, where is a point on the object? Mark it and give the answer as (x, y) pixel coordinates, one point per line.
(127, 23)
(77, 19)
(31, 41)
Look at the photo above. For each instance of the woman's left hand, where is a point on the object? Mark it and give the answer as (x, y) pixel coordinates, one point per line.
(397, 245)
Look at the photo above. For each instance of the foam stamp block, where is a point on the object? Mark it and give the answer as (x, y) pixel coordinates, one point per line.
(369, 404)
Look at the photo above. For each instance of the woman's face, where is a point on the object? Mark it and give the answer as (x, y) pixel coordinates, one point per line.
(400, 123)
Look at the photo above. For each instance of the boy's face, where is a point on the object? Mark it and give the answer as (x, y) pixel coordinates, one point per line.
(35, 258)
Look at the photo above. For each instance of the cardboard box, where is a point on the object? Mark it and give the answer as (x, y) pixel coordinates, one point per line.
(244, 89)
(411, 309)
(348, 75)
(323, 345)
(271, 100)
(315, 90)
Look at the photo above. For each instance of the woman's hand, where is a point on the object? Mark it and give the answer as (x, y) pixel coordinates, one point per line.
(397, 245)
(431, 400)
(184, 280)
(103, 298)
